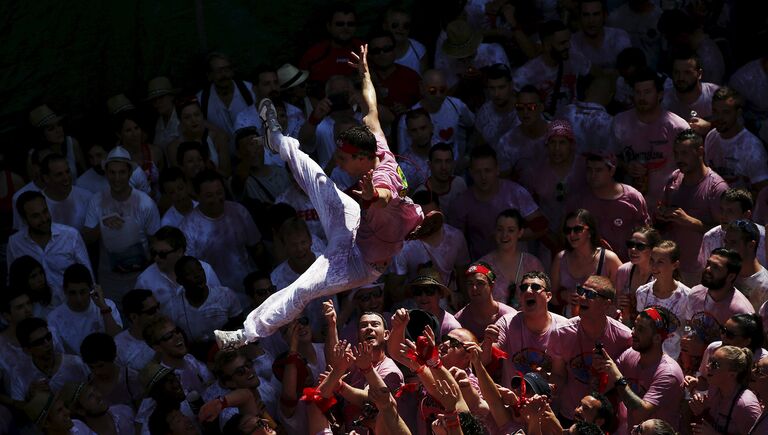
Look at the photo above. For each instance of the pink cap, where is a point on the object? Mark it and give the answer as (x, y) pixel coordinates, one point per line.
(560, 127)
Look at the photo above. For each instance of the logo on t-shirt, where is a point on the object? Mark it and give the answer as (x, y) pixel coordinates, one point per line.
(531, 359)
(706, 326)
(581, 367)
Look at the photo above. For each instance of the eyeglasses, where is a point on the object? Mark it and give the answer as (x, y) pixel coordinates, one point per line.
(453, 343)
(434, 90)
(380, 50)
(638, 246)
(151, 311)
(367, 296)
(45, 339)
(425, 290)
(713, 364)
(261, 292)
(560, 192)
(588, 292)
(345, 24)
(534, 287)
(405, 25)
(303, 320)
(522, 107)
(577, 229)
(727, 333)
(169, 335)
(162, 254)
(759, 371)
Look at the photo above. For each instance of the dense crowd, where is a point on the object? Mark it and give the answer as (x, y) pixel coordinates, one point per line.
(597, 174)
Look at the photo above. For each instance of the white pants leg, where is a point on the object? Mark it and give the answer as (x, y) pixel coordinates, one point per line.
(341, 267)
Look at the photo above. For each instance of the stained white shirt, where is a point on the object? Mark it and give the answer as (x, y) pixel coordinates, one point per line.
(74, 326)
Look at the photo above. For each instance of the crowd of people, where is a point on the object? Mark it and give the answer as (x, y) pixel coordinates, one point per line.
(552, 222)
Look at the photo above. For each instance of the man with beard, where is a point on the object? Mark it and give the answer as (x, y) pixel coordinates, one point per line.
(523, 143)
(691, 99)
(572, 347)
(329, 57)
(86, 404)
(598, 43)
(555, 70)
(691, 203)
(595, 408)
(743, 236)
(645, 136)
(67, 203)
(649, 383)
(94, 179)
(225, 97)
(732, 150)
(54, 246)
(441, 180)
(497, 114)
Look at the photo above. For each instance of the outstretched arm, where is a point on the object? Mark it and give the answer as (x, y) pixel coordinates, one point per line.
(371, 119)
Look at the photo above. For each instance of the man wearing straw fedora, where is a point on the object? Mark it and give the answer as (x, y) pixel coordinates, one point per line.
(119, 103)
(293, 87)
(161, 94)
(53, 137)
(463, 53)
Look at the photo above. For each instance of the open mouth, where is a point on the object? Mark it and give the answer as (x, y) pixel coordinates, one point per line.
(530, 302)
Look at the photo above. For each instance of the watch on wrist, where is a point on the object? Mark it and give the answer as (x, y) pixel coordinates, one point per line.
(622, 382)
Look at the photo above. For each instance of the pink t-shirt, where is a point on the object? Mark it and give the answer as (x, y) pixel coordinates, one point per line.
(650, 143)
(745, 411)
(587, 118)
(702, 106)
(616, 218)
(701, 201)
(715, 238)
(491, 124)
(542, 182)
(570, 344)
(507, 277)
(450, 252)
(477, 219)
(659, 384)
(740, 160)
(477, 326)
(537, 73)
(527, 351)
(517, 150)
(707, 315)
(383, 229)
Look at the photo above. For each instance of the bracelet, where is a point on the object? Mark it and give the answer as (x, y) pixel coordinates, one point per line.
(452, 420)
(419, 369)
(106, 310)
(376, 195)
(223, 401)
(434, 363)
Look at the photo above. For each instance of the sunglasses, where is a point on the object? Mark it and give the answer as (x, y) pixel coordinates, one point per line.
(345, 23)
(434, 90)
(151, 311)
(638, 246)
(404, 25)
(453, 343)
(381, 50)
(45, 339)
(522, 107)
(588, 292)
(727, 333)
(424, 290)
(577, 229)
(169, 335)
(261, 292)
(713, 364)
(368, 296)
(535, 287)
(161, 254)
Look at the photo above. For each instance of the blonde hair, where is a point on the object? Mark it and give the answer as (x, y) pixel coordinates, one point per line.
(740, 359)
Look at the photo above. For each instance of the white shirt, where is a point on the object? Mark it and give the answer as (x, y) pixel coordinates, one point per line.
(296, 198)
(223, 242)
(543, 77)
(71, 369)
(456, 188)
(123, 417)
(131, 352)
(164, 289)
(65, 248)
(492, 125)
(73, 326)
(702, 106)
(325, 140)
(741, 160)
(614, 41)
(80, 428)
(194, 375)
(71, 211)
(148, 406)
(223, 116)
(586, 119)
(677, 303)
(751, 81)
(715, 238)
(18, 222)
(95, 182)
(199, 322)
(166, 133)
(451, 124)
(172, 217)
(250, 118)
(414, 54)
(755, 287)
(141, 219)
(486, 55)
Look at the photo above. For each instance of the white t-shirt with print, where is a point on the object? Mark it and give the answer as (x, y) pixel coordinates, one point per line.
(677, 304)
(199, 322)
(73, 326)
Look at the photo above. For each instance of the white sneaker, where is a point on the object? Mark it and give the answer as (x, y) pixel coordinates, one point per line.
(268, 114)
(229, 340)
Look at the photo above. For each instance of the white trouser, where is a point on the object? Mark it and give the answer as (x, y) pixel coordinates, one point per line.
(341, 267)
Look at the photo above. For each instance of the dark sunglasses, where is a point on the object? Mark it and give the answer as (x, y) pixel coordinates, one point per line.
(161, 254)
(588, 292)
(45, 339)
(303, 320)
(638, 246)
(169, 335)
(521, 107)
(380, 50)
(727, 333)
(404, 25)
(151, 311)
(424, 290)
(264, 291)
(577, 229)
(345, 23)
(434, 90)
(535, 287)
(452, 342)
(368, 296)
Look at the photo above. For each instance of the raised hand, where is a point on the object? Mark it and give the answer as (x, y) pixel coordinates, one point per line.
(461, 377)
(360, 61)
(367, 191)
(329, 312)
(400, 319)
(449, 394)
(363, 357)
(342, 357)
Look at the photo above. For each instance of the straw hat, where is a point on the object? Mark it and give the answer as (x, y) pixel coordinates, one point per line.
(160, 86)
(118, 154)
(289, 76)
(428, 276)
(151, 374)
(42, 116)
(462, 40)
(119, 103)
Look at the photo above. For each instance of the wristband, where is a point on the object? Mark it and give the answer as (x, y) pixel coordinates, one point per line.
(434, 363)
(223, 401)
(419, 369)
(376, 195)
(452, 420)
(106, 310)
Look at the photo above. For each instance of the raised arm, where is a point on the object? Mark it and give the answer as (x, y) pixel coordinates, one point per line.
(371, 119)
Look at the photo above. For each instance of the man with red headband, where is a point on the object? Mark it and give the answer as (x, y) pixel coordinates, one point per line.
(649, 383)
(362, 238)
